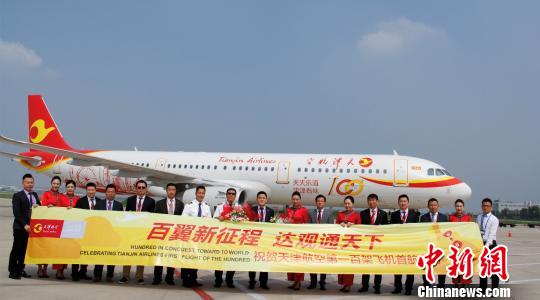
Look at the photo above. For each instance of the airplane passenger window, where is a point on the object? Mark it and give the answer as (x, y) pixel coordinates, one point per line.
(439, 172)
(430, 172)
(197, 166)
(355, 171)
(266, 168)
(185, 166)
(340, 170)
(370, 171)
(224, 167)
(208, 167)
(234, 168)
(168, 166)
(252, 168)
(312, 170)
(246, 168)
(363, 171)
(299, 170)
(377, 171)
(320, 170)
(147, 165)
(305, 170)
(326, 170)
(215, 167)
(240, 168)
(333, 170)
(259, 168)
(174, 166)
(272, 169)
(179, 166)
(191, 166)
(348, 170)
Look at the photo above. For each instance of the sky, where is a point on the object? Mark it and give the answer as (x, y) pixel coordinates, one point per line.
(457, 82)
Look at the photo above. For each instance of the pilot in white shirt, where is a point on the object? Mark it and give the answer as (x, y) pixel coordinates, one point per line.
(197, 207)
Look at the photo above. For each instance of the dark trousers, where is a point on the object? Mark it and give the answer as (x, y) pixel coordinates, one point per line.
(18, 251)
(263, 278)
(441, 279)
(158, 273)
(313, 278)
(409, 281)
(494, 278)
(376, 282)
(78, 270)
(98, 271)
(228, 277)
(189, 276)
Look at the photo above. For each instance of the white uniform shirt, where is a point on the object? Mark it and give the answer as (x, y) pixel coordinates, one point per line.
(488, 229)
(192, 209)
(219, 209)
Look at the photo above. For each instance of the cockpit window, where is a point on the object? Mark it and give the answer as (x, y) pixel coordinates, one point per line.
(439, 172)
(430, 172)
(446, 172)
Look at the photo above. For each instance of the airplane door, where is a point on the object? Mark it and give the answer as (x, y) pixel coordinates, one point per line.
(56, 166)
(401, 176)
(283, 172)
(160, 163)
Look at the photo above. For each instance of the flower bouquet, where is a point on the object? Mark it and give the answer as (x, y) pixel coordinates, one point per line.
(280, 219)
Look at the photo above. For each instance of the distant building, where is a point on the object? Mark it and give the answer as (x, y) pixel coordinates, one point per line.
(499, 205)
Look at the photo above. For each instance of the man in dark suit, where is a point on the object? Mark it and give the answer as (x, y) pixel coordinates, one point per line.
(109, 204)
(373, 216)
(90, 201)
(264, 214)
(171, 206)
(319, 215)
(22, 202)
(139, 203)
(434, 216)
(403, 216)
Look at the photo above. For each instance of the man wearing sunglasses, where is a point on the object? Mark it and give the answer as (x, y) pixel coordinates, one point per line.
(138, 203)
(221, 210)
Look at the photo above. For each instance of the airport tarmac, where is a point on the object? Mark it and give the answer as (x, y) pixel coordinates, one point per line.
(523, 261)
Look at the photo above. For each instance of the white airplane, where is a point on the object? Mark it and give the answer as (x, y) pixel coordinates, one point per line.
(333, 175)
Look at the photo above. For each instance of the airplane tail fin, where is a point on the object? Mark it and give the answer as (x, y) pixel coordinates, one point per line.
(41, 126)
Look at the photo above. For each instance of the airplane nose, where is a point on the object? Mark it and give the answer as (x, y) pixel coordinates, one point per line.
(465, 191)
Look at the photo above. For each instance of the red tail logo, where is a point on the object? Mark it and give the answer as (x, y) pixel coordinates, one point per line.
(41, 126)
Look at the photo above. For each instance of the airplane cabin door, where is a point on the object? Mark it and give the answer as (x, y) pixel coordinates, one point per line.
(283, 172)
(160, 163)
(401, 176)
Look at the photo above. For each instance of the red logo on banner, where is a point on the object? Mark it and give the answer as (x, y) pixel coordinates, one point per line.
(46, 228)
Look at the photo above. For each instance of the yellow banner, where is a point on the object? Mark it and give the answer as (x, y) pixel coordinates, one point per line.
(62, 236)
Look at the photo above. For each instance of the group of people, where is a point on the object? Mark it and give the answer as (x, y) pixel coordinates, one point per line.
(296, 213)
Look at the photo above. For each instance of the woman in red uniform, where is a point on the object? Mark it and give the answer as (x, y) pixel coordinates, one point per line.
(50, 198)
(460, 216)
(347, 218)
(296, 214)
(69, 199)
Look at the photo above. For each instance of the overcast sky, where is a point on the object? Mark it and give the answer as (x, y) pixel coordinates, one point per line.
(456, 82)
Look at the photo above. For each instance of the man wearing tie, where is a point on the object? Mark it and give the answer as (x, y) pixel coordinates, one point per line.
(108, 205)
(22, 202)
(434, 216)
(319, 215)
(138, 203)
(264, 214)
(373, 216)
(225, 208)
(197, 208)
(90, 201)
(170, 206)
(488, 224)
(403, 216)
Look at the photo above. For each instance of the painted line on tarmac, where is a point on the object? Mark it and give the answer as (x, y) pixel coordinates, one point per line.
(525, 280)
(202, 293)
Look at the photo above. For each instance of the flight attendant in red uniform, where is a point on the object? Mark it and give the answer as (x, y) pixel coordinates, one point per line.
(347, 218)
(68, 200)
(460, 216)
(50, 198)
(296, 214)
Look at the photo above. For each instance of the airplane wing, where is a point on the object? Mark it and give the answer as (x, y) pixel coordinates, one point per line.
(17, 156)
(124, 169)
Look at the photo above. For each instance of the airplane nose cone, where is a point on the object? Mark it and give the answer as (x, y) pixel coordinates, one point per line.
(465, 191)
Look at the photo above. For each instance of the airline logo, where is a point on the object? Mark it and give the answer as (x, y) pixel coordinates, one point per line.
(45, 228)
(41, 131)
(365, 162)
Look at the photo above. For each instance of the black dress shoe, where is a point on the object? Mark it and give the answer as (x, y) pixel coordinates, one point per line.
(408, 293)
(265, 287)
(251, 286)
(75, 277)
(15, 276)
(25, 275)
(156, 282)
(217, 284)
(312, 286)
(291, 287)
(377, 291)
(363, 289)
(196, 283)
(169, 282)
(230, 285)
(396, 291)
(85, 277)
(323, 287)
